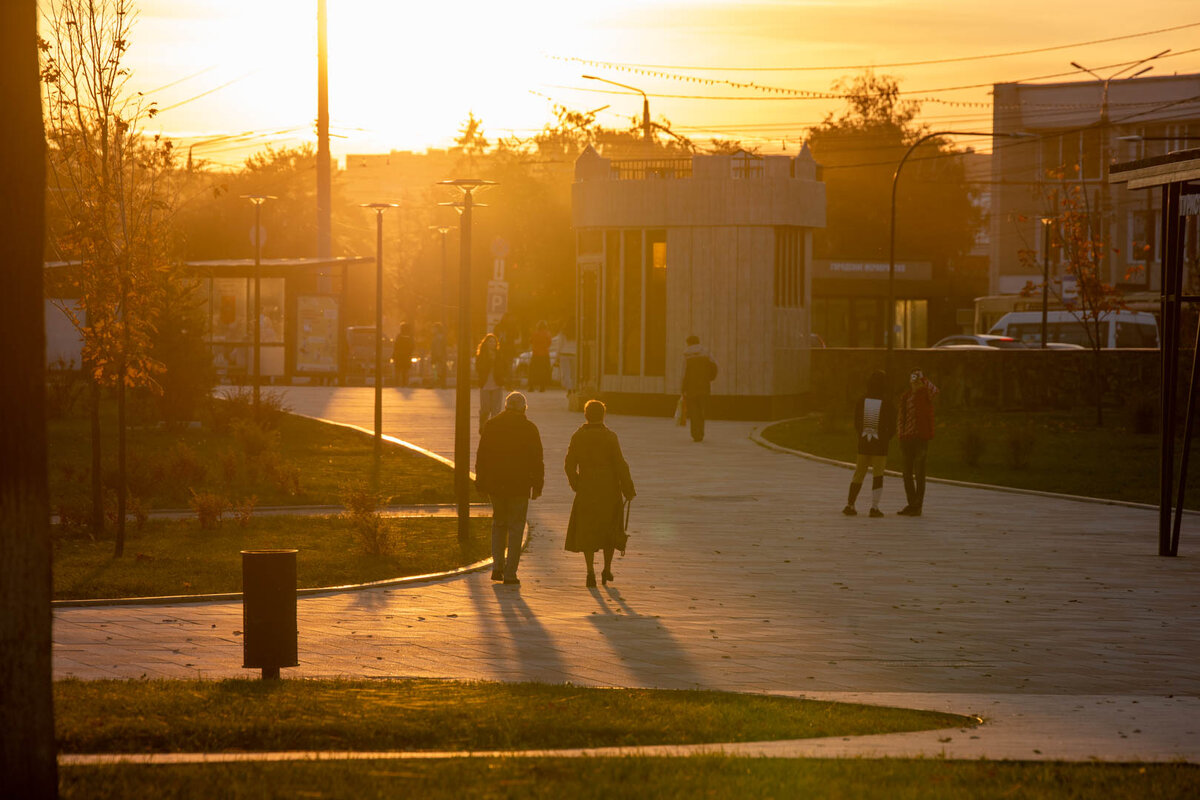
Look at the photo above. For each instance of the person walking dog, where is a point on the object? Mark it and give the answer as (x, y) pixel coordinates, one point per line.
(509, 469)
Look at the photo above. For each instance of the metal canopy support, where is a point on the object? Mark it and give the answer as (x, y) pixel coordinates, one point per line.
(1172, 174)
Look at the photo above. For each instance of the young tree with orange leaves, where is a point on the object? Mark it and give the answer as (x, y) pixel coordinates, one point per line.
(110, 206)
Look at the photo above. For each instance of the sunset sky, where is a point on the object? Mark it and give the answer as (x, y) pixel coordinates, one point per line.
(403, 75)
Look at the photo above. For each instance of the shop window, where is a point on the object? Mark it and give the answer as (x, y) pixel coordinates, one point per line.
(789, 268)
(656, 303)
(631, 333)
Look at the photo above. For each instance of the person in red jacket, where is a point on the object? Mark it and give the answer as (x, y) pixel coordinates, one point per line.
(914, 425)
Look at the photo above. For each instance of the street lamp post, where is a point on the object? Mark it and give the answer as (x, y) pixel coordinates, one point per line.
(443, 230)
(1046, 223)
(257, 200)
(1105, 133)
(890, 334)
(462, 386)
(379, 208)
(646, 126)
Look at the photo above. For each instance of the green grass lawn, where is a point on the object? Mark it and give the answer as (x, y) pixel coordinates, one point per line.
(247, 715)
(707, 777)
(1067, 453)
(304, 462)
(170, 557)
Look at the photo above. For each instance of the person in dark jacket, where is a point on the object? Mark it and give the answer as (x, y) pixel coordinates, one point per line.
(437, 355)
(875, 423)
(914, 428)
(600, 477)
(699, 371)
(489, 370)
(509, 469)
(402, 351)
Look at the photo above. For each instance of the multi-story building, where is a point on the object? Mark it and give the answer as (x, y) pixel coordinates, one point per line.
(1079, 128)
(718, 246)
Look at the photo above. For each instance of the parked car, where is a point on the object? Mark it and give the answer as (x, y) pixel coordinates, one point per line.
(1117, 328)
(980, 341)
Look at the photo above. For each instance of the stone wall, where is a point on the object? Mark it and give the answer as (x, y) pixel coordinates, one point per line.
(1000, 379)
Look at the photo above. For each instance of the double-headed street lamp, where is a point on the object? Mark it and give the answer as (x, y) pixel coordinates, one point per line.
(379, 208)
(257, 200)
(890, 334)
(647, 133)
(462, 386)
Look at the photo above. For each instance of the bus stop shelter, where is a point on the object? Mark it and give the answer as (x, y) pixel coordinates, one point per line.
(1177, 176)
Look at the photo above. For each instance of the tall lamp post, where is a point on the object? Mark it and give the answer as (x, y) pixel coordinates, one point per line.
(1047, 222)
(462, 380)
(1105, 133)
(890, 334)
(379, 208)
(257, 200)
(443, 230)
(646, 126)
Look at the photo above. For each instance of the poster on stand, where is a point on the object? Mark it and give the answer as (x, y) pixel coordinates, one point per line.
(316, 334)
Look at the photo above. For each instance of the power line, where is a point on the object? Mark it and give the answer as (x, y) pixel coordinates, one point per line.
(959, 59)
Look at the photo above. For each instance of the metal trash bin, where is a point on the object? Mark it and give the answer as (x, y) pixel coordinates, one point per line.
(269, 631)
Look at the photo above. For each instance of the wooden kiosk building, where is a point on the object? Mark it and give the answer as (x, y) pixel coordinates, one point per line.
(713, 245)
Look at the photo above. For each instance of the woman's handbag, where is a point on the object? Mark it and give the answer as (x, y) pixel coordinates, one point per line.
(681, 411)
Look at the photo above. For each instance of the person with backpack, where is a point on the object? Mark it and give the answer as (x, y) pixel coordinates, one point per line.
(699, 371)
(875, 424)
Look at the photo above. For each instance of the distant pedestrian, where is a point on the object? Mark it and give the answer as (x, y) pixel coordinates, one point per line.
(491, 378)
(437, 355)
(402, 350)
(914, 428)
(539, 358)
(506, 335)
(600, 477)
(875, 422)
(699, 371)
(565, 347)
(510, 471)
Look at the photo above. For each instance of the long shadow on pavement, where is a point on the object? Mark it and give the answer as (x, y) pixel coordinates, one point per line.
(643, 645)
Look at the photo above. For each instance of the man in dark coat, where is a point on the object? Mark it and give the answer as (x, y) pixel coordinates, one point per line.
(699, 371)
(509, 469)
(402, 351)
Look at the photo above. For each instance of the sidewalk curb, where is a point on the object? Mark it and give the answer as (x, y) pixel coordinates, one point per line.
(757, 437)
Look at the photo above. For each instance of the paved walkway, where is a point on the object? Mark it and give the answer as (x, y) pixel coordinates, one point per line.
(1052, 619)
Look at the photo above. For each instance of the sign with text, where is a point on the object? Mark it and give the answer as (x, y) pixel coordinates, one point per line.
(872, 270)
(497, 302)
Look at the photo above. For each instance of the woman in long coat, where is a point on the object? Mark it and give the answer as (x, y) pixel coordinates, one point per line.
(600, 477)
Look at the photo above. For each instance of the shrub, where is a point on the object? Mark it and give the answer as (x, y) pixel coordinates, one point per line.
(365, 519)
(245, 510)
(183, 468)
(254, 440)
(972, 445)
(75, 515)
(1020, 441)
(238, 404)
(230, 466)
(208, 507)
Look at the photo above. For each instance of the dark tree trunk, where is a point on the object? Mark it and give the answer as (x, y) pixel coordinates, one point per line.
(27, 756)
(97, 524)
(1098, 386)
(120, 547)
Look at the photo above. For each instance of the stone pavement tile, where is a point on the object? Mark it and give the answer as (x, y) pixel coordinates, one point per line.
(742, 574)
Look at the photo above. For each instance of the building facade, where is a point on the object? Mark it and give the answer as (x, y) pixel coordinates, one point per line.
(1079, 129)
(717, 246)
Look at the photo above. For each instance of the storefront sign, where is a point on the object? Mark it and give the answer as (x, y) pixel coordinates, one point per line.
(873, 270)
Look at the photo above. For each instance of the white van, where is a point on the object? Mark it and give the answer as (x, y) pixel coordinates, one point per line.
(1117, 328)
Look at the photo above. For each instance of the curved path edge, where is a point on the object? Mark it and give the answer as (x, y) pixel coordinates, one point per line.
(315, 590)
(757, 437)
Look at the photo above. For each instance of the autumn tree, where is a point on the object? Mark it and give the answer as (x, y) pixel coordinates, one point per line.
(1080, 246)
(859, 149)
(111, 206)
